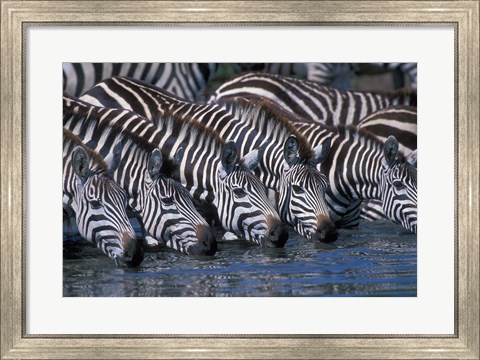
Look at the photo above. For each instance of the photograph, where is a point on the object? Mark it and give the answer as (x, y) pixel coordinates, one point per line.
(239, 179)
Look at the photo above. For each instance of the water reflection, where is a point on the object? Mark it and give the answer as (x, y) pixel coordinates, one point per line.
(378, 259)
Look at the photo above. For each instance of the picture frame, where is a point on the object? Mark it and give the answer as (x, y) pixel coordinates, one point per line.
(17, 344)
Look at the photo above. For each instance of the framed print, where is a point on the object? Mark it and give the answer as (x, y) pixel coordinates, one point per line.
(44, 316)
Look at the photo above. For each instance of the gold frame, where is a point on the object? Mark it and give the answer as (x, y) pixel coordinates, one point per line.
(16, 344)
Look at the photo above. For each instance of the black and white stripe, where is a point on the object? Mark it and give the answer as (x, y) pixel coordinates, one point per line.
(399, 121)
(99, 204)
(312, 101)
(185, 80)
(211, 169)
(163, 207)
(287, 164)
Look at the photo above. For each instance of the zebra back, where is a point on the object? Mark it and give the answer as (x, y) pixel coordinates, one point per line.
(98, 203)
(312, 101)
(399, 121)
(185, 80)
(164, 208)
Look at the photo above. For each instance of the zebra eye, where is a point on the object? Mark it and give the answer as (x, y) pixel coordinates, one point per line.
(238, 192)
(399, 185)
(167, 201)
(297, 189)
(95, 204)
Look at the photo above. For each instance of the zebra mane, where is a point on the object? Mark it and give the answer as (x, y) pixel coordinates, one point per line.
(183, 124)
(98, 164)
(145, 136)
(351, 131)
(190, 130)
(264, 114)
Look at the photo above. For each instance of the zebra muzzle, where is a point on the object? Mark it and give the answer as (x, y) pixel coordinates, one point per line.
(326, 231)
(276, 234)
(132, 250)
(206, 245)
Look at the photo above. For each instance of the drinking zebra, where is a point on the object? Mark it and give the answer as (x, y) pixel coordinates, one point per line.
(312, 101)
(164, 208)
(186, 80)
(360, 167)
(98, 203)
(399, 121)
(212, 170)
(288, 161)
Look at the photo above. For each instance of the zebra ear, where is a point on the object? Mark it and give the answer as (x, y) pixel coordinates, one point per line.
(412, 158)
(178, 155)
(290, 150)
(390, 150)
(320, 152)
(155, 164)
(113, 159)
(81, 163)
(229, 158)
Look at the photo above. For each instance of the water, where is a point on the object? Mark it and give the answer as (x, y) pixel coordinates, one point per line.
(377, 259)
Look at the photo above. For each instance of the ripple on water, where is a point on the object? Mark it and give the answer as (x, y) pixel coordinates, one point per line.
(378, 259)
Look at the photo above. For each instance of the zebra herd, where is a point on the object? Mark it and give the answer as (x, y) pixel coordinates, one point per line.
(139, 142)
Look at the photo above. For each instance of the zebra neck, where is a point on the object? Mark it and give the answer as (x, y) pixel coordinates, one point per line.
(354, 165)
(270, 168)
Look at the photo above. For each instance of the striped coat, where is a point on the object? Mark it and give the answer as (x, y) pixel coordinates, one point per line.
(287, 164)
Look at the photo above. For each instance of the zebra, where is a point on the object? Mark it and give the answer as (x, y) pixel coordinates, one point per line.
(399, 121)
(288, 161)
(98, 203)
(213, 172)
(361, 167)
(164, 208)
(186, 80)
(312, 101)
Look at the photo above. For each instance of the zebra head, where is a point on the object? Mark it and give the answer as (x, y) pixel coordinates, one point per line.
(302, 192)
(168, 212)
(100, 210)
(242, 204)
(399, 185)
